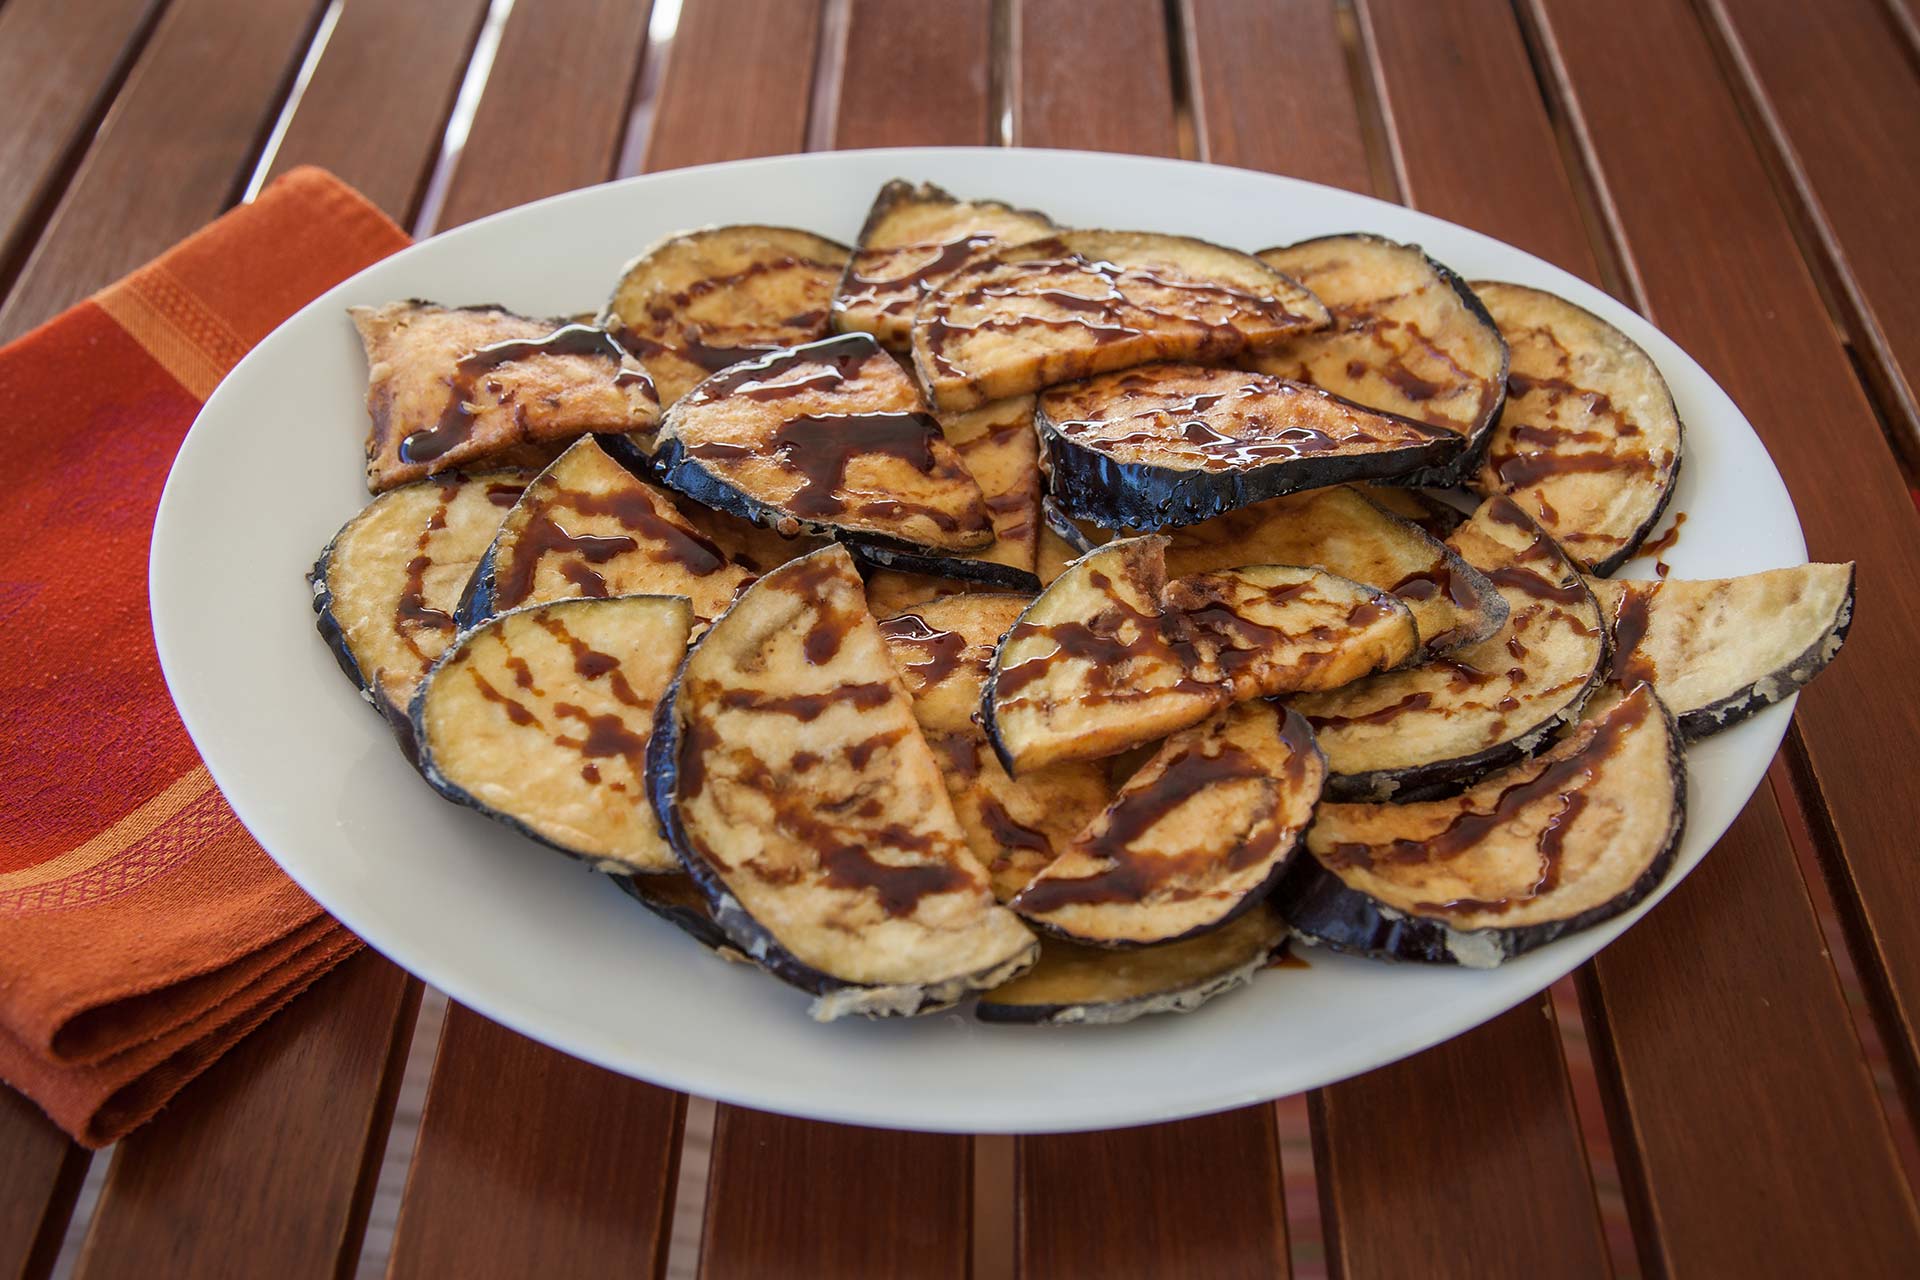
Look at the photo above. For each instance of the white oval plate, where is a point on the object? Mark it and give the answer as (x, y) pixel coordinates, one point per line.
(273, 466)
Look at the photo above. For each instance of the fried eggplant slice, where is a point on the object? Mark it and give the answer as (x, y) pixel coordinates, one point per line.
(450, 386)
(753, 547)
(697, 302)
(1543, 849)
(793, 782)
(828, 438)
(1340, 530)
(1278, 629)
(1197, 836)
(997, 446)
(385, 588)
(1416, 506)
(1073, 984)
(1175, 444)
(587, 526)
(1589, 443)
(540, 719)
(1022, 317)
(671, 896)
(1094, 666)
(1015, 826)
(914, 238)
(896, 591)
(1717, 650)
(1408, 338)
(1423, 730)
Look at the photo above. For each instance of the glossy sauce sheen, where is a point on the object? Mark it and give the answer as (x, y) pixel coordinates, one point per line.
(691, 342)
(455, 426)
(1099, 643)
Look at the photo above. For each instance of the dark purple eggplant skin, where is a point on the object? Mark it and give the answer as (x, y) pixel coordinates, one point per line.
(1454, 473)
(986, 573)
(696, 926)
(1703, 722)
(626, 451)
(1089, 485)
(477, 598)
(741, 931)
(330, 631)
(1063, 526)
(1320, 907)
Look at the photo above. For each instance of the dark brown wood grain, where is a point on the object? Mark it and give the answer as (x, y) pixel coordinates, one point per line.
(797, 1198)
(555, 106)
(739, 82)
(1460, 1161)
(170, 155)
(1470, 140)
(1740, 1084)
(1716, 259)
(61, 63)
(1271, 90)
(40, 1174)
(265, 1164)
(1437, 60)
(377, 104)
(1093, 76)
(1197, 1198)
(918, 72)
(532, 1163)
(1839, 98)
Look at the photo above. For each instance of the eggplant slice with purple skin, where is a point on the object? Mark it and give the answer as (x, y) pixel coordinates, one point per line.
(1342, 531)
(1540, 850)
(672, 897)
(385, 588)
(1175, 444)
(1073, 984)
(1266, 630)
(996, 444)
(540, 719)
(1021, 317)
(1015, 826)
(449, 387)
(1408, 338)
(586, 526)
(1421, 731)
(792, 781)
(1197, 836)
(830, 438)
(914, 238)
(1589, 443)
(702, 300)
(1095, 666)
(1717, 650)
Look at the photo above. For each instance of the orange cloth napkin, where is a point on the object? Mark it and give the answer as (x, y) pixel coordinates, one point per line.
(142, 931)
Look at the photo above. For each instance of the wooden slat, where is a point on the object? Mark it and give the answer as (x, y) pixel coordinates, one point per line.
(1834, 90)
(1290, 56)
(1462, 1152)
(60, 62)
(555, 107)
(738, 83)
(40, 1174)
(1199, 1198)
(798, 1198)
(378, 101)
(1505, 1081)
(1094, 76)
(1721, 272)
(795, 1197)
(932, 86)
(265, 1165)
(531, 1163)
(1459, 75)
(171, 153)
(1718, 1048)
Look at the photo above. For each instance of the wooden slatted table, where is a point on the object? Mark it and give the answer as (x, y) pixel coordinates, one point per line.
(1741, 170)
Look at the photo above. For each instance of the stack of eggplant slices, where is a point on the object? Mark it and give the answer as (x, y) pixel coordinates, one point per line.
(1060, 620)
